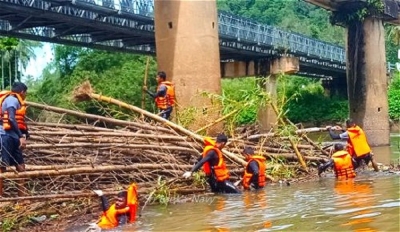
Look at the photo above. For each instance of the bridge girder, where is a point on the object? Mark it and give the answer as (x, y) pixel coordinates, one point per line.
(128, 27)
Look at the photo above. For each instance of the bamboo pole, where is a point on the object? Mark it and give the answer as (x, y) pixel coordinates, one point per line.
(88, 194)
(85, 92)
(294, 145)
(68, 126)
(96, 117)
(116, 134)
(134, 146)
(217, 121)
(145, 82)
(91, 169)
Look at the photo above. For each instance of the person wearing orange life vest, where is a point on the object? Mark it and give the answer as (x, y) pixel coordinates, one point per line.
(165, 95)
(214, 166)
(357, 144)
(254, 173)
(13, 130)
(342, 163)
(123, 211)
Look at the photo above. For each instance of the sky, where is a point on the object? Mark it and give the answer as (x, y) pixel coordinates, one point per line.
(44, 55)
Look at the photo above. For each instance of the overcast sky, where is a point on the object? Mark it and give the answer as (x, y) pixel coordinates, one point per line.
(44, 55)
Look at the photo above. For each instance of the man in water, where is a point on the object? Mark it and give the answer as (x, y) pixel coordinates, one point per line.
(357, 144)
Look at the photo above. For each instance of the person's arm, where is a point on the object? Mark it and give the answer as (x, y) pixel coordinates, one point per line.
(122, 219)
(105, 205)
(162, 91)
(253, 166)
(13, 121)
(326, 165)
(344, 135)
(209, 156)
(153, 95)
(333, 135)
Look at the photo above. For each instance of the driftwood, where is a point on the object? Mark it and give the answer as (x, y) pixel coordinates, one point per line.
(63, 158)
(85, 92)
(294, 145)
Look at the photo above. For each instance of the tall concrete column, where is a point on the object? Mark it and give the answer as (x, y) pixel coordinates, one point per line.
(366, 79)
(267, 117)
(187, 46)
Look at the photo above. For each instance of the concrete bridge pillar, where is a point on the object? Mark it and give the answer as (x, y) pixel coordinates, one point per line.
(366, 79)
(283, 65)
(336, 86)
(187, 47)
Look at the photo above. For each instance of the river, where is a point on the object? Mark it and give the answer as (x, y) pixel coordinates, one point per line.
(371, 202)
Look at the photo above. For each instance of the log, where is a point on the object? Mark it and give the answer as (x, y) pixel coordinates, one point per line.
(146, 71)
(134, 146)
(89, 169)
(116, 134)
(88, 194)
(96, 117)
(84, 93)
(294, 146)
(217, 121)
(68, 126)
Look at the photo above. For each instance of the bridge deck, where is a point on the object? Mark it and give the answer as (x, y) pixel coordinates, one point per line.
(128, 26)
(391, 7)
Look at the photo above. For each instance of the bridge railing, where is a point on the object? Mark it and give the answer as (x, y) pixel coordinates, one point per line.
(248, 31)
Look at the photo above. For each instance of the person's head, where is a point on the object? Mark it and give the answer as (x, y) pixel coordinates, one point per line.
(338, 147)
(20, 88)
(221, 141)
(161, 76)
(350, 123)
(121, 200)
(247, 152)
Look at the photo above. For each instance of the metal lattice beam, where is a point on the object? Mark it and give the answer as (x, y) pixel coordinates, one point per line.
(128, 25)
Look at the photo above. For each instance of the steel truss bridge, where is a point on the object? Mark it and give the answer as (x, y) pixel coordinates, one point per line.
(128, 26)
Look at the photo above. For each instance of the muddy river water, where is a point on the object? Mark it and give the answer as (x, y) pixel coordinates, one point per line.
(371, 202)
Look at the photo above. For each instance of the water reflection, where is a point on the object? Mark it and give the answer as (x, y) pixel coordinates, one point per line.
(356, 199)
(368, 203)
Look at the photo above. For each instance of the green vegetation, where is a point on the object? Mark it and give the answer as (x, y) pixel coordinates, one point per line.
(394, 98)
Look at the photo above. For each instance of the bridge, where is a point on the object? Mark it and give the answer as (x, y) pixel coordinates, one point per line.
(188, 41)
(128, 26)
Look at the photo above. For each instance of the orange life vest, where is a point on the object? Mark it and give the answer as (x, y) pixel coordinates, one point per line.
(109, 218)
(261, 174)
(343, 165)
(169, 99)
(220, 171)
(132, 202)
(19, 113)
(357, 142)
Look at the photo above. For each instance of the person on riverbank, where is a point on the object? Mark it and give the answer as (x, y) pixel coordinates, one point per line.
(13, 130)
(254, 172)
(342, 163)
(214, 166)
(357, 143)
(123, 211)
(165, 95)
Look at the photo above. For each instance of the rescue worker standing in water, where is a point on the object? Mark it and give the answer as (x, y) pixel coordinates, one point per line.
(342, 163)
(254, 173)
(214, 166)
(123, 211)
(165, 95)
(13, 130)
(357, 144)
